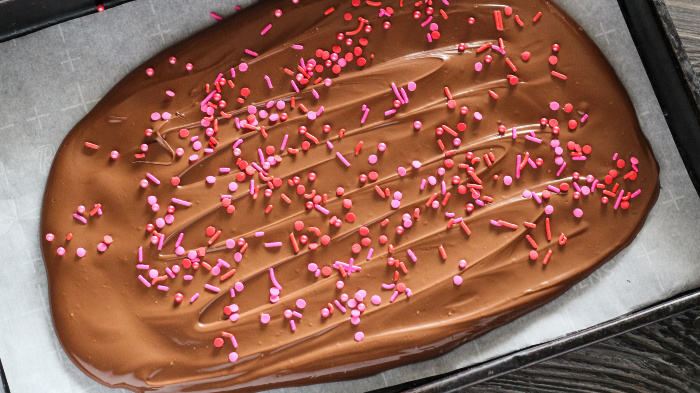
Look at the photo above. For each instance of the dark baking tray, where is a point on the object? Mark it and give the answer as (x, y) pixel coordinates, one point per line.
(677, 88)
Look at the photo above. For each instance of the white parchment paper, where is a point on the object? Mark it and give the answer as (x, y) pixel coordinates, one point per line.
(50, 79)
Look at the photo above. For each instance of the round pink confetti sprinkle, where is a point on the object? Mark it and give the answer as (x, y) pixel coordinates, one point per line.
(355, 320)
(554, 105)
(462, 263)
(376, 300)
(238, 286)
(101, 247)
(578, 213)
(527, 194)
(61, 251)
(179, 250)
(287, 313)
(549, 209)
(114, 154)
(49, 237)
(457, 280)
(417, 125)
(166, 115)
(152, 200)
(216, 270)
(533, 255)
(176, 269)
(234, 317)
(155, 116)
(325, 312)
(401, 171)
(211, 179)
(265, 318)
(395, 204)
(180, 152)
(192, 254)
(554, 143)
(352, 303)
(81, 209)
(411, 86)
(344, 297)
(311, 115)
(153, 273)
(478, 66)
(232, 357)
(359, 336)
(559, 160)
(230, 243)
(372, 159)
(507, 180)
(416, 164)
(312, 267)
(398, 195)
(80, 252)
(381, 146)
(243, 67)
(301, 303)
(274, 291)
(478, 116)
(160, 223)
(170, 93)
(361, 295)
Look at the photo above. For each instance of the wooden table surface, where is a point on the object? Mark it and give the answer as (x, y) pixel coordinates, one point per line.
(662, 357)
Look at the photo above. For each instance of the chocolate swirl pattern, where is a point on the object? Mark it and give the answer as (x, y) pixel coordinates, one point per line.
(315, 191)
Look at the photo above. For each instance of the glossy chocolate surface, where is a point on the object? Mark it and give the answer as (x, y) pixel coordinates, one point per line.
(128, 332)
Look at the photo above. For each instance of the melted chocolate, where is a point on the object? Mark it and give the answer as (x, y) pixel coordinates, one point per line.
(125, 334)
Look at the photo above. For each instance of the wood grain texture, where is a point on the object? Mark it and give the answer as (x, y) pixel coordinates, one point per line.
(662, 357)
(686, 17)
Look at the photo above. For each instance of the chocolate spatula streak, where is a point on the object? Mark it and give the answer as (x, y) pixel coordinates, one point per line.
(313, 191)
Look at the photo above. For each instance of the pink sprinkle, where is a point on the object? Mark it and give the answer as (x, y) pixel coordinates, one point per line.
(321, 209)
(340, 306)
(478, 116)
(273, 244)
(266, 29)
(284, 142)
(250, 52)
(144, 281)
(619, 198)
(457, 280)
(215, 16)
(232, 357)
(153, 178)
(212, 288)
(553, 189)
(389, 112)
(269, 82)
(636, 193)
(265, 318)
(425, 23)
(181, 202)
(80, 252)
(412, 255)
(578, 213)
(393, 296)
(101, 247)
(478, 66)
(273, 279)
(507, 180)
(554, 105)
(155, 116)
(342, 159)
(549, 209)
(537, 140)
(298, 47)
(60, 251)
(614, 156)
(359, 336)
(376, 300)
(160, 241)
(194, 297)
(416, 164)
(561, 169)
(294, 85)
(80, 218)
(142, 267)
(515, 133)
(163, 288)
(584, 118)
(364, 116)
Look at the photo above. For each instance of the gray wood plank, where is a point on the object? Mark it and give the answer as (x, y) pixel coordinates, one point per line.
(686, 17)
(662, 357)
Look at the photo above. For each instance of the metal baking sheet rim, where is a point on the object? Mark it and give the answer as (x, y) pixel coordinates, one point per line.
(531, 355)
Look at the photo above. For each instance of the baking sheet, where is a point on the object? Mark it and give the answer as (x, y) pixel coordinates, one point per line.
(50, 79)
